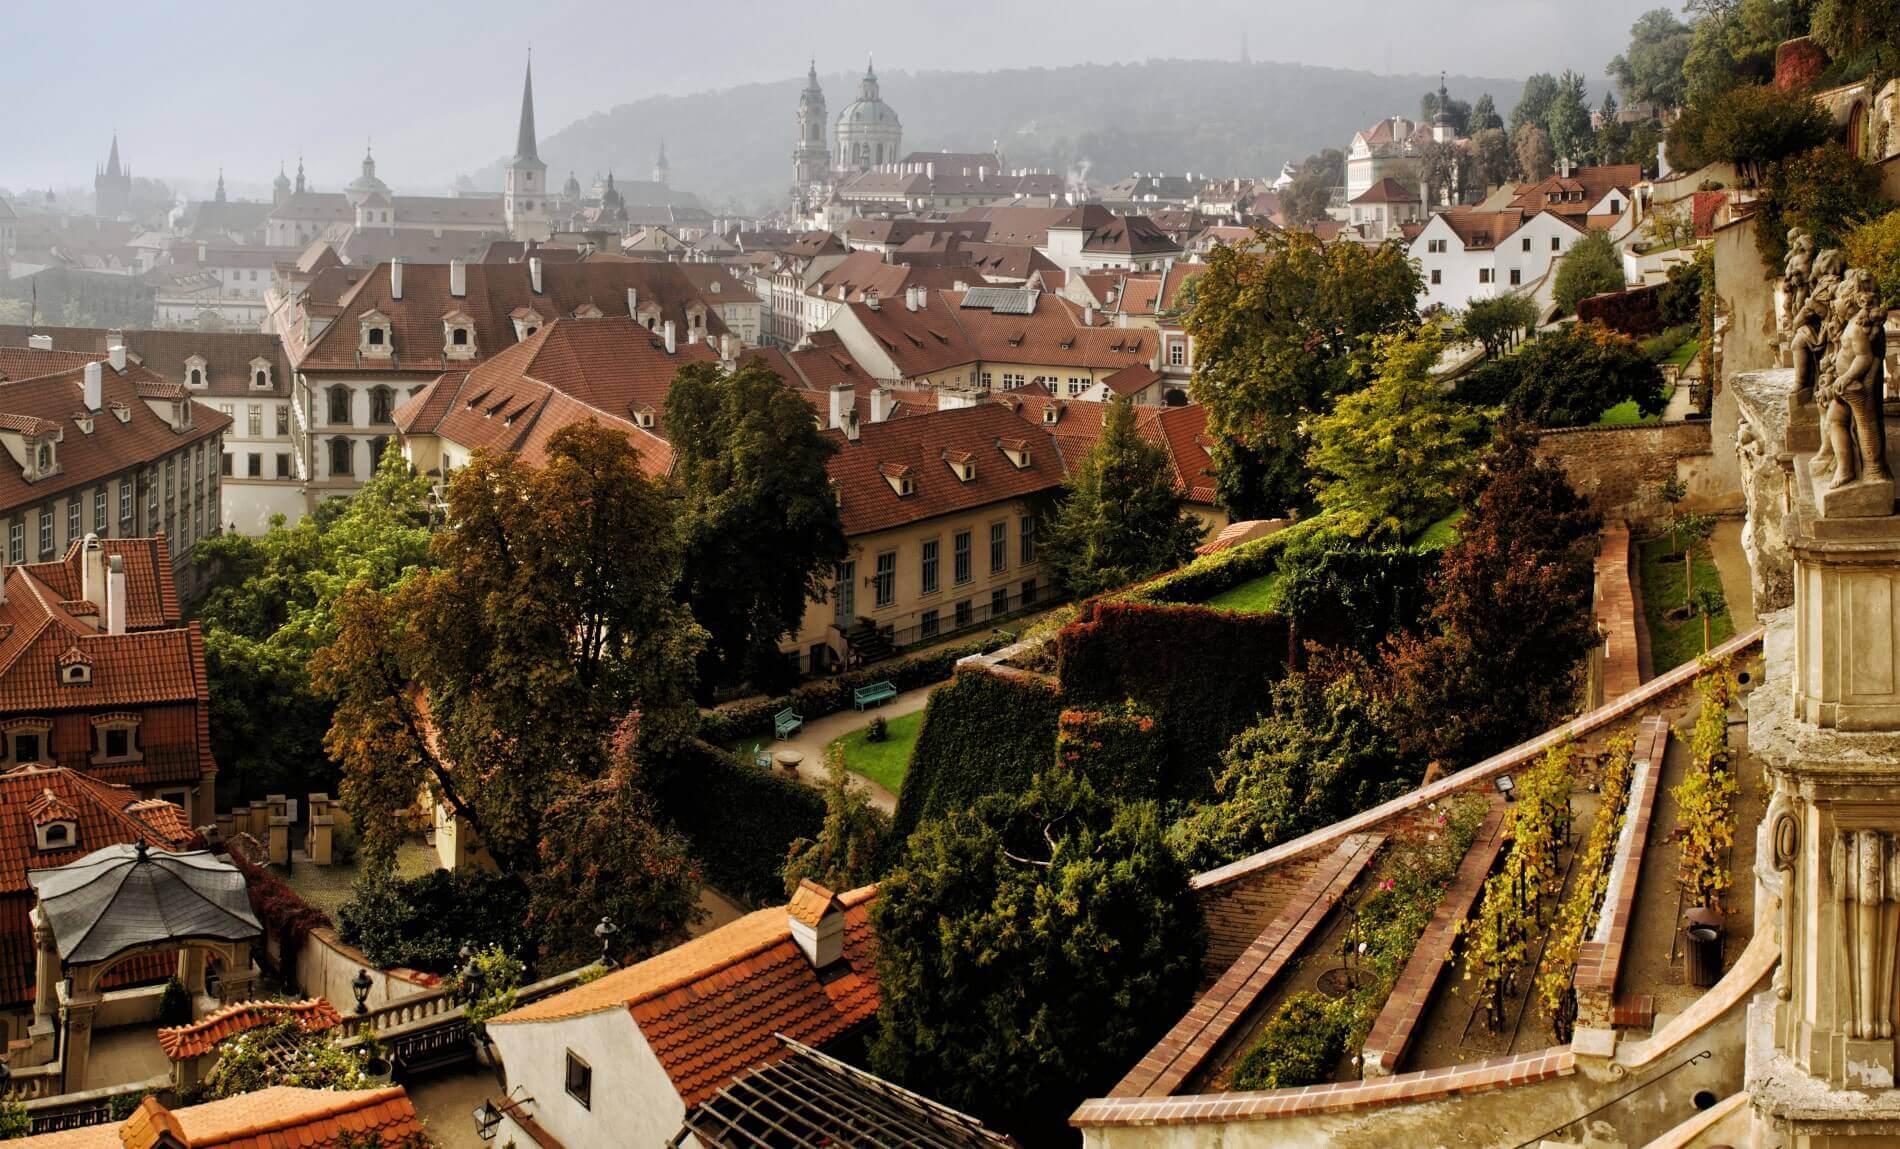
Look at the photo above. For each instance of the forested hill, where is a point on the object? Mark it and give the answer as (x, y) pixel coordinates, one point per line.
(734, 146)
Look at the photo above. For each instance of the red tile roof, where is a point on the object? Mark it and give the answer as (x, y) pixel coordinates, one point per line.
(1387, 190)
(1578, 192)
(281, 1117)
(181, 1042)
(1078, 424)
(709, 1009)
(922, 443)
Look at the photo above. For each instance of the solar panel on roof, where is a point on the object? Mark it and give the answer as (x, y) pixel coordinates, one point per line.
(1001, 300)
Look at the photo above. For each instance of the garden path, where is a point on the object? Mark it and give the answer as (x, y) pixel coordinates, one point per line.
(821, 732)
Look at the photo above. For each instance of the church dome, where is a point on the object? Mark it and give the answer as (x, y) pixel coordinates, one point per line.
(366, 185)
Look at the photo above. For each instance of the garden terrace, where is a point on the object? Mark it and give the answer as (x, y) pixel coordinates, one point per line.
(1278, 920)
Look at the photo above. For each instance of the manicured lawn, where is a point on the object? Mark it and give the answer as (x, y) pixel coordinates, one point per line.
(1255, 596)
(1674, 642)
(1440, 534)
(1683, 355)
(1626, 412)
(883, 762)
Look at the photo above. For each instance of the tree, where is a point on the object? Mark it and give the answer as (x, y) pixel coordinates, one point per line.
(1708, 602)
(1751, 126)
(1693, 528)
(1828, 192)
(1445, 168)
(1499, 324)
(1569, 377)
(1324, 752)
(845, 854)
(1650, 72)
(1389, 459)
(1568, 117)
(1864, 31)
(1491, 157)
(1533, 105)
(1530, 147)
(759, 521)
(1029, 948)
(1281, 329)
(1344, 593)
(1733, 43)
(1121, 517)
(270, 604)
(604, 854)
(1875, 247)
(1591, 266)
(1306, 198)
(1460, 110)
(1484, 115)
(1510, 621)
(495, 679)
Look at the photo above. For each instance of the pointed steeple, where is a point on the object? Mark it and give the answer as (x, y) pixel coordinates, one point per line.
(220, 195)
(112, 161)
(299, 173)
(524, 138)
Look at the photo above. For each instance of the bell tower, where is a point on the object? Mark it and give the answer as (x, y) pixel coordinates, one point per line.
(525, 194)
(811, 159)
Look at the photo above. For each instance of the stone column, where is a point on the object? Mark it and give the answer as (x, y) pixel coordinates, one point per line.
(77, 1054)
(191, 970)
(321, 843)
(279, 840)
(238, 980)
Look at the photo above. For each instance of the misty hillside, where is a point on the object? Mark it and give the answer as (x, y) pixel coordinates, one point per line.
(734, 147)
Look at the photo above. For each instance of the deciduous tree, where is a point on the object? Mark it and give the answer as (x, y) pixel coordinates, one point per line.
(1571, 376)
(1568, 117)
(1499, 324)
(1530, 147)
(1491, 157)
(1121, 517)
(1484, 114)
(846, 852)
(1312, 188)
(1650, 70)
(759, 522)
(1591, 266)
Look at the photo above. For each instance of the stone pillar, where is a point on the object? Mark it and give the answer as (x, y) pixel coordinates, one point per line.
(238, 980)
(279, 840)
(191, 970)
(225, 824)
(321, 844)
(77, 1055)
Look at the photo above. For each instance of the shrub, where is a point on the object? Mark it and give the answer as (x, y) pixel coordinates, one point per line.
(878, 731)
(281, 910)
(742, 820)
(1570, 377)
(830, 695)
(1750, 126)
(1591, 267)
(1209, 575)
(1635, 311)
(849, 848)
(1875, 246)
(1340, 592)
(1204, 673)
(1300, 1044)
(174, 1004)
(1828, 191)
(501, 976)
(423, 922)
(1680, 296)
(984, 733)
(1119, 749)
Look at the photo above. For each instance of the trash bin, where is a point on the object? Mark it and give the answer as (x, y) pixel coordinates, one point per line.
(1702, 955)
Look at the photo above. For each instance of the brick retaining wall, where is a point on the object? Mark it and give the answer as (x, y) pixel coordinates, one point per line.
(1619, 670)
(1601, 957)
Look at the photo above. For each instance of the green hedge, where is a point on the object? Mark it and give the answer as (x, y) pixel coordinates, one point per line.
(741, 819)
(1205, 673)
(1209, 575)
(1119, 749)
(825, 696)
(983, 733)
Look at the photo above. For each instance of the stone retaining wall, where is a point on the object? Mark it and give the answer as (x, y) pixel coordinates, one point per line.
(1620, 469)
(1600, 958)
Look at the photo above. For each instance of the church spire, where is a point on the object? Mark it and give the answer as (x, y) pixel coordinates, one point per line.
(524, 138)
(112, 161)
(220, 196)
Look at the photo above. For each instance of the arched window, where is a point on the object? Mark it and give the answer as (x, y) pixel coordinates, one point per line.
(261, 379)
(376, 448)
(340, 405)
(341, 457)
(375, 337)
(46, 457)
(382, 400)
(197, 377)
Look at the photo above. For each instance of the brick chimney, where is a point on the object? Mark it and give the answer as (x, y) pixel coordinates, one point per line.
(395, 278)
(817, 921)
(880, 404)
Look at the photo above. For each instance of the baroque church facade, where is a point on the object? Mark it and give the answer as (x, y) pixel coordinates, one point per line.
(867, 135)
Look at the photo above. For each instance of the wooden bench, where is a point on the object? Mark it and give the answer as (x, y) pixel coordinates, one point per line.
(873, 694)
(760, 757)
(786, 723)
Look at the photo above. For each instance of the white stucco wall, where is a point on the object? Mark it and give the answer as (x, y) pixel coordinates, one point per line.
(634, 1103)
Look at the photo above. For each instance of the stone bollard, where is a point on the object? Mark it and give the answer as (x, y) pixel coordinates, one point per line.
(322, 829)
(280, 841)
(225, 823)
(257, 820)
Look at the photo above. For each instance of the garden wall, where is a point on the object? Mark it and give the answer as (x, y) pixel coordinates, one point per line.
(326, 967)
(1620, 468)
(741, 819)
(1636, 312)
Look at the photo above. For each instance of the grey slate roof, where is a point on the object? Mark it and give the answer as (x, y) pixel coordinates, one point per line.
(124, 896)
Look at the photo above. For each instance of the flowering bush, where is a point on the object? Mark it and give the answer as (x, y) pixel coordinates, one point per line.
(1119, 749)
(282, 1053)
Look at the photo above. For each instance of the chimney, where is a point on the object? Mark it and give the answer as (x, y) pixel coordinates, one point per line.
(92, 570)
(1088, 316)
(666, 332)
(843, 401)
(880, 404)
(115, 594)
(115, 355)
(817, 921)
(910, 298)
(95, 386)
(534, 274)
(633, 302)
(395, 278)
(873, 300)
(458, 278)
(692, 337)
(40, 342)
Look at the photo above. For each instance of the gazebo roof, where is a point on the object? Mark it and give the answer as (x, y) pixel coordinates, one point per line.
(124, 896)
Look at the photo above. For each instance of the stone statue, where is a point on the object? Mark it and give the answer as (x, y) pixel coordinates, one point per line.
(1795, 272)
(1851, 390)
(1804, 346)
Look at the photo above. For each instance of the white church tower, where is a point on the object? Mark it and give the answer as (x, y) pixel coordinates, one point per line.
(525, 196)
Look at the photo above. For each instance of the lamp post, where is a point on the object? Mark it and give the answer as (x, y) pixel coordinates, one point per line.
(360, 986)
(605, 931)
(1506, 787)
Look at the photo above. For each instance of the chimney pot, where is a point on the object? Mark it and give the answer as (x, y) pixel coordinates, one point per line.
(458, 278)
(95, 386)
(395, 278)
(40, 342)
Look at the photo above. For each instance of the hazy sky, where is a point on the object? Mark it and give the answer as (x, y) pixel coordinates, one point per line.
(193, 85)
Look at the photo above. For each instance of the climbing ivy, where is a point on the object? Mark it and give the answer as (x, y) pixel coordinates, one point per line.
(1705, 798)
(1556, 977)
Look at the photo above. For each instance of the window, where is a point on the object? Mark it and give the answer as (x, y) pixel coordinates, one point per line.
(116, 741)
(1077, 385)
(999, 547)
(1029, 592)
(1435, 246)
(46, 534)
(224, 463)
(846, 592)
(16, 543)
(376, 448)
(927, 624)
(987, 381)
(963, 614)
(197, 377)
(1437, 276)
(1517, 276)
(254, 465)
(459, 337)
(340, 406)
(261, 380)
(1556, 243)
(382, 401)
(283, 420)
(999, 601)
(340, 456)
(254, 420)
(1177, 352)
(1012, 380)
(962, 557)
(375, 337)
(75, 520)
(580, 1080)
(26, 746)
(1527, 243)
(283, 464)
(884, 582)
(125, 507)
(1026, 546)
(1484, 275)
(930, 566)
(99, 510)
(58, 834)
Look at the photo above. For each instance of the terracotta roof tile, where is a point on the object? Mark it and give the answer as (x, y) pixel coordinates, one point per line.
(281, 1117)
(811, 901)
(923, 443)
(181, 1042)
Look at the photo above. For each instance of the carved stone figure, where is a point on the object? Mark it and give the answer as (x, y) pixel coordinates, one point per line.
(1804, 346)
(1852, 399)
(1795, 272)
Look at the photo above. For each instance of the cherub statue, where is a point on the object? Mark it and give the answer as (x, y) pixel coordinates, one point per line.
(1804, 345)
(1795, 272)
(1824, 343)
(1852, 418)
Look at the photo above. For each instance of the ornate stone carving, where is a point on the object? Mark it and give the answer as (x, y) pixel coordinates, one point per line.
(1865, 870)
(1780, 848)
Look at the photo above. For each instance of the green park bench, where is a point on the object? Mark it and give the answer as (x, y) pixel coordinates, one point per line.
(873, 694)
(786, 723)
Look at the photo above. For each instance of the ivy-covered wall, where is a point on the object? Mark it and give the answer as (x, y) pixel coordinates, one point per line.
(742, 820)
(985, 732)
(1119, 749)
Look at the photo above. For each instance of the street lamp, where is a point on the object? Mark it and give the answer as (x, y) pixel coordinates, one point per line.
(473, 981)
(605, 931)
(1506, 787)
(360, 986)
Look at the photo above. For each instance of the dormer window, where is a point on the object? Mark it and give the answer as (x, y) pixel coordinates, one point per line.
(899, 477)
(643, 417)
(260, 375)
(28, 741)
(122, 412)
(587, 311)
(377, 337)
(43, 457)
(458, 336)
(197, 372)
(1052, 413)
(83, 420)
(75, 668)
(116, 738)
(527, 322)
(962, 465)
(62, 834)
(1016, 451)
